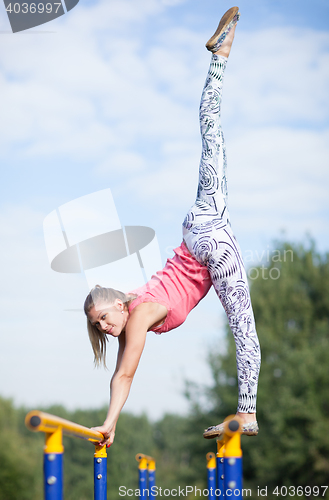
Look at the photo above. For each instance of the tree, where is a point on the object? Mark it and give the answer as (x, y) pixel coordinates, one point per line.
(19, 478)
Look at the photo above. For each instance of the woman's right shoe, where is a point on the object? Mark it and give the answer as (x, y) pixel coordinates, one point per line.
(229, 19)
(249, 429)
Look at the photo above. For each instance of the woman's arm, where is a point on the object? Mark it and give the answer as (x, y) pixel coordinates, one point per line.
(131, 345)
(130, 350)
(122, 344)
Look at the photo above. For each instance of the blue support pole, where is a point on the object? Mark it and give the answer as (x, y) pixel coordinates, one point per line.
(233, 459)
(100, 477)
(143, 484)
(151, 474)
(146, 471)
(53, 465)
(211, 473)
(233, 477)
(220, 468)
(53, 476)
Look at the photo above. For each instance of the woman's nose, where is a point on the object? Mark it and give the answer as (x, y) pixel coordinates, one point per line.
(103, 324)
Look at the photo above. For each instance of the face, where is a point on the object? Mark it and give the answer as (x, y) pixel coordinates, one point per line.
(108, 318)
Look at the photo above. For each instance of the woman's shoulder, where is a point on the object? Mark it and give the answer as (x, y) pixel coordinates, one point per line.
(147, 306)
(153, 313)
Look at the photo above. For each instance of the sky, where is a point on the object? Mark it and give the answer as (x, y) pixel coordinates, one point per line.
(107, 97)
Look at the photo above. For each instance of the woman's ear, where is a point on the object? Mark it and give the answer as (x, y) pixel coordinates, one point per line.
(119, 304)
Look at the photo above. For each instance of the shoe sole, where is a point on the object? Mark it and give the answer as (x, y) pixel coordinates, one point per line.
(223, 23)
(214, 434)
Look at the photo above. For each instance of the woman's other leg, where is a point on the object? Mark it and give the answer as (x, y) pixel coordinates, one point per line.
(229, 278)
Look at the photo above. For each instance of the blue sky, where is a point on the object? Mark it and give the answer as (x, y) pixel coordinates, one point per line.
(107, 97)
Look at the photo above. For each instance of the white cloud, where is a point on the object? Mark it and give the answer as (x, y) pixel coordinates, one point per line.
(172, 2)
(279, 75)
(122, 161)
(57, 95)
(279, 160)
(88, 95)
(279, 180)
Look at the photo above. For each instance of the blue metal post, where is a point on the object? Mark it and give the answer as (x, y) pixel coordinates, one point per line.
(211, 469)
(53, 476)
(146, 469)
(151, 474)
(233, 477)
(100, 473)
(220, 468)
(142, 469)
(143, 484)
(53, 466)
(233, 461)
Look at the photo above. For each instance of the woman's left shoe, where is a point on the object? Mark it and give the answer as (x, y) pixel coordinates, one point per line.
(249, 429)
(229, 19)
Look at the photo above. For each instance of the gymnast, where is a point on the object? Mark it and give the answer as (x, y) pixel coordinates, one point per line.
(209, 255)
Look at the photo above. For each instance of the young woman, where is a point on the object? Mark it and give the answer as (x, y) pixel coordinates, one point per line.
(209, 255)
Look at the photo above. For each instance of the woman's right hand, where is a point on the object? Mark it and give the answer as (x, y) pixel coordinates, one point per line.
(108, 434)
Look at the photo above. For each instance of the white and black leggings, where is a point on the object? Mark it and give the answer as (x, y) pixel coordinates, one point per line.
(208, 236)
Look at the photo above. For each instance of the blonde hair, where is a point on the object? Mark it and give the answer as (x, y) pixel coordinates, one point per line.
(97, 338)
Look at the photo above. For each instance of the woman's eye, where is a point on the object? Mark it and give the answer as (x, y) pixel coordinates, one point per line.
(103, 317)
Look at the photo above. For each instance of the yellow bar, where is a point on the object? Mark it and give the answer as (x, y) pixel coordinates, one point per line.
(145, 461)
(211, 460)
(39, 421)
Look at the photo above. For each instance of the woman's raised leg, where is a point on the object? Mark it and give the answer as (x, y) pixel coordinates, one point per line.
(212, 187)
(211, 200)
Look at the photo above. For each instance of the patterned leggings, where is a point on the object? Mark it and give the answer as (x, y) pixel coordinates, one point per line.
(208, 236)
